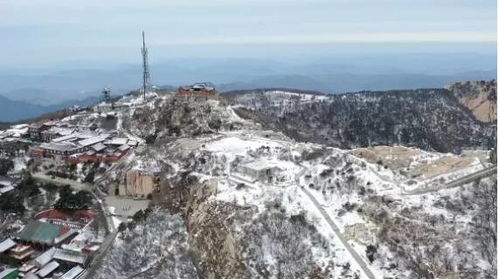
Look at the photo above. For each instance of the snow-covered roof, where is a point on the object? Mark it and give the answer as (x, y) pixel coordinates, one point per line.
(117, 141)
(98, 147)
(70, 256)
(45, 257)
(19, 126)
(59, 130)
(5, 181)
(48, 268)
(65, 138)
(51, 123)
(6, 272)
(73, 272)
(58, 146)
(124, 147)
(85, 135)
(262, 164)
(6, 189)
(132, 142)
(31, 276)
(17, 132)
(93, 140)
(6, 245)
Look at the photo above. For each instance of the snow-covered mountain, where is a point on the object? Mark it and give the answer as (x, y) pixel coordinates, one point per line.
(431, 119)
(238, 200)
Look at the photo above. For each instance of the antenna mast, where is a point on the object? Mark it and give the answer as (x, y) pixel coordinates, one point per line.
(146, 78)
(106, 95)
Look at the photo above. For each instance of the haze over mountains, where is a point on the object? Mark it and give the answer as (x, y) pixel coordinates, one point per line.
(80, 83)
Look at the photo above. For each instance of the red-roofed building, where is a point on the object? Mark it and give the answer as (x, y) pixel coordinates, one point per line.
(197, 89)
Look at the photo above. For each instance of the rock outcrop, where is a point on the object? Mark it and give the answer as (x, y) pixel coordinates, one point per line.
(478, 96)
(138, 184)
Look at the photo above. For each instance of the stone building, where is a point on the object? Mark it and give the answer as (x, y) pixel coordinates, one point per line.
(261, 170)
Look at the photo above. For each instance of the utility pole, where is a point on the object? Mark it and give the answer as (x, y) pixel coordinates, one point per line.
(145, 64)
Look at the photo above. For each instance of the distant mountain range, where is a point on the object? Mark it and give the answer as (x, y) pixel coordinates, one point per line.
(347, 82)
(13, 111)
(24, 103)
(29, 92)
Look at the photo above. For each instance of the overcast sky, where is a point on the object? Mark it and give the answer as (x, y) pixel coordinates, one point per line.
(51, 32)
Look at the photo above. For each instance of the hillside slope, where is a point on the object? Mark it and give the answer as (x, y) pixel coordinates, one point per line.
(235, 200)
(479, 96)
(430, 119)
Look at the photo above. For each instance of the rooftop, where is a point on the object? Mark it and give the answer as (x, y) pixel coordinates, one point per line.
(262, 164)
(6, 245)
(9, 273)
(40, 232)
(20, 248)
(48, 268)
(70, 256)
(60, 131)
(117, 141)
(98, 147)
(93, 140)
(31, 276)
(5, 189)
(65, 138)
(45, 257)
(58, 146)
(73, 272)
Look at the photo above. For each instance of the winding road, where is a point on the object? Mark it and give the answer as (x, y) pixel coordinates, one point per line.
(458, 182)
(365, 269)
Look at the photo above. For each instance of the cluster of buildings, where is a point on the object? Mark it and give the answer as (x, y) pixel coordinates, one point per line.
(75, 145)
(64, 142)
(55, 244)
(14, 139)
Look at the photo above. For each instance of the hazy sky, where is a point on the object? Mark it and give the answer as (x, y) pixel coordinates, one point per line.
(51, 32)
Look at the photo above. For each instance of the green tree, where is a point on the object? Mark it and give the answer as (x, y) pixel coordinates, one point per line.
(28, 187)
(10, 202)
(73, 201)
(5, 166)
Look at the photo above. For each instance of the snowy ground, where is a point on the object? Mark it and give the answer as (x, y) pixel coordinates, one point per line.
(124, 208)
(319, 176)
(363, 192)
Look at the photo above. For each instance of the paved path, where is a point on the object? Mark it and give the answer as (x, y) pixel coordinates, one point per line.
(458, 182)
(96, 260)
(365, 269)
(472, 177)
